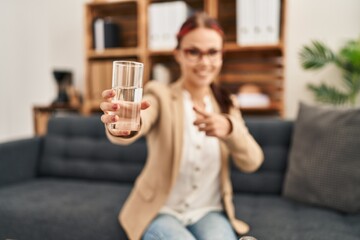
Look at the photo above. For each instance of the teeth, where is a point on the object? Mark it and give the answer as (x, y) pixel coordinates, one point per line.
(202, 73)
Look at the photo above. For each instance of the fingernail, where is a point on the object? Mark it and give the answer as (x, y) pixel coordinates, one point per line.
(113, 119)
(114, 106)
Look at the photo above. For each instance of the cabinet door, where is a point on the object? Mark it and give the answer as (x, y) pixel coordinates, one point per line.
(100, 78)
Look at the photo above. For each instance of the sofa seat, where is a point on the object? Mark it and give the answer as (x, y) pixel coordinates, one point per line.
(80, 209)
(49, 208)
(278, 218)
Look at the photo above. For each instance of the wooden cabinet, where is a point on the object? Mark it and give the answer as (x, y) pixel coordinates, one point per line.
(262, 65)
(42, 114)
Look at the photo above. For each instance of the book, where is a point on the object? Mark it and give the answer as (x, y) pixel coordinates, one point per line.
(154, 33)
(161, 73)
(245, 22)
(257, 22)
(111, 34)
(273, 27)
(165, 20)
(106, 34)
(254, 100)
(99, 41)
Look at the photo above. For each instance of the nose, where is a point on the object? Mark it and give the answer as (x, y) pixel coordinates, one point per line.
(204, 59)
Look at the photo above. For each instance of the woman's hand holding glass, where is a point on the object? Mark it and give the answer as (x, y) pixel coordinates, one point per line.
(108, 107)
(213, 124)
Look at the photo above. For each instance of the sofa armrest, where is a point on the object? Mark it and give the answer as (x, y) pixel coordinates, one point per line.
(18, 160)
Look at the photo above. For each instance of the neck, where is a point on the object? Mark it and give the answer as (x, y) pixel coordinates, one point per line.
(197, 93)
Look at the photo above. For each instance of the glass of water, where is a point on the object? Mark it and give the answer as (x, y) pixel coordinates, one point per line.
(127, 82)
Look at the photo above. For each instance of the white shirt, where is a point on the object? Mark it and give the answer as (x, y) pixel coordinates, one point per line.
(197, 188)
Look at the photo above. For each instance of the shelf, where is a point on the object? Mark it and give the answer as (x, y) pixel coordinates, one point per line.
(42, 114)
(113, 53)
(259, 109)
(156, 53)
(107, 2)
(253, 78)
(228, 47)
(54, 107)
(262, 65)
(273, 108)
(92, 106)
(234, 47)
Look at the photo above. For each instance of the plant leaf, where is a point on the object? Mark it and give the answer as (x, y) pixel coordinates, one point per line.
(327, 94)
(349, 56)
(316, 55)
(352, 82)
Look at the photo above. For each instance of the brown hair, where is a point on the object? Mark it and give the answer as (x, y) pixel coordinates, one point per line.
(201, 19)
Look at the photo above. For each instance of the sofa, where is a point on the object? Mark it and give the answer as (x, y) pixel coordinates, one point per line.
(71, 184)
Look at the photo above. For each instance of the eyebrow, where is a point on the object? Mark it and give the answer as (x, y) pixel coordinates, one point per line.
(194, 47)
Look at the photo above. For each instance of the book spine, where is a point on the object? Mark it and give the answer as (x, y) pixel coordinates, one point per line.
(99, 33)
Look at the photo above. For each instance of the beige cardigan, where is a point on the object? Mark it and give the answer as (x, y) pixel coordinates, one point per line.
(162, 123)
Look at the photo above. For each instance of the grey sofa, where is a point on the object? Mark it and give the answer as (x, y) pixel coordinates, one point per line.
(72, 183)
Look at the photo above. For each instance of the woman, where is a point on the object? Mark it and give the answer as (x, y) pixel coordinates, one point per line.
(184, 191)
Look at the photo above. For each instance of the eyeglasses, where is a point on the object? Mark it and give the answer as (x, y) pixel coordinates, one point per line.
(195, 55)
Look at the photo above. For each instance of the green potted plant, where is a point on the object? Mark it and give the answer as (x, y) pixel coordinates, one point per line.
(317, 55)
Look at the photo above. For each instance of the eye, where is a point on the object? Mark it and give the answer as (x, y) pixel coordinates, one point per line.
(193, 52)
(213, 52)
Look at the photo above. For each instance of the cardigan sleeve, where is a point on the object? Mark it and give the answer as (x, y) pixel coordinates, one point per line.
(247, 154)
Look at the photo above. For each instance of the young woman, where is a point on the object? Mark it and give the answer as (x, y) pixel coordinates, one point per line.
(184, 191)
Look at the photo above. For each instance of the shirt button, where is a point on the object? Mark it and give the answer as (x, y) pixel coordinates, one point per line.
(198, 147)
(186, 205)
(194, 187)
(197, 169)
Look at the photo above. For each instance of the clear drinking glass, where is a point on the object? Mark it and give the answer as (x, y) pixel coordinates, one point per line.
(127, 82)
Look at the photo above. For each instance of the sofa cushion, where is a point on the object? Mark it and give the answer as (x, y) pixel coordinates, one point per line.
(62, 209)
(324, 164)
(77, 147)
(273, 135)
(275, 217)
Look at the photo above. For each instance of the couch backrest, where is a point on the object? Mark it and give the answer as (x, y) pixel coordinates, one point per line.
(274, 137)
(77, 147)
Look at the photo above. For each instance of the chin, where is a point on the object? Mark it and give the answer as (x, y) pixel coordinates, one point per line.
(203, 81)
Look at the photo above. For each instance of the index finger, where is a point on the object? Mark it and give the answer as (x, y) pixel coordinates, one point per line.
(201, 112)
(109, 93)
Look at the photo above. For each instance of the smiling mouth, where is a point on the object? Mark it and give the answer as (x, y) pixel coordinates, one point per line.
(203, 73)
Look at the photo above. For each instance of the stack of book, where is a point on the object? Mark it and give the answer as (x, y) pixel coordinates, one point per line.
(106, 34)
(251, 96)
(165, 20)
(258, 22)
(253, 100)
(161, 73)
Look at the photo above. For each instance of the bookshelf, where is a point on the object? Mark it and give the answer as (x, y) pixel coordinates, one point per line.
(262, 65)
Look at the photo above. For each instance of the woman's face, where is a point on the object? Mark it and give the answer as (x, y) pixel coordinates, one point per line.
(200, 56)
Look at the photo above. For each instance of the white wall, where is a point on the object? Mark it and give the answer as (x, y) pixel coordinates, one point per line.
(40, 35)
(24, 64)
(36, 37)
(331, 21)
(66, 37)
